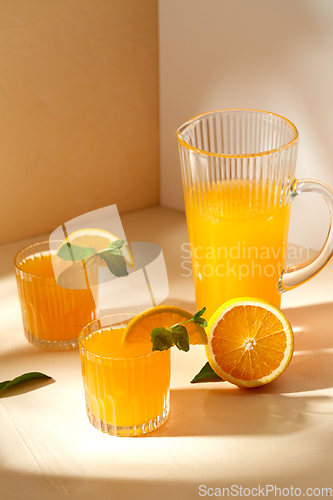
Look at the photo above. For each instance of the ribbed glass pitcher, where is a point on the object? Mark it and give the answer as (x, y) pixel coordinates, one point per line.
(238, 171)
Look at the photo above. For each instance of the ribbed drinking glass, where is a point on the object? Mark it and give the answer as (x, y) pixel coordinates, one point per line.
(53, 316)
(127, 389)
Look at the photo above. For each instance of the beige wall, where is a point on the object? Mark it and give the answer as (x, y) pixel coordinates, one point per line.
(78, 110)
(270, 55)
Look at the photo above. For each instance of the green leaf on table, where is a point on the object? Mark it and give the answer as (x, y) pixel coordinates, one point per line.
(161, 338)
(180, 337)
(206, 374)
(22, 378)
(75, 253)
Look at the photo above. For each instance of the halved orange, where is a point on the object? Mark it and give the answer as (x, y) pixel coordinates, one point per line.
(250, 342)
(140, 327)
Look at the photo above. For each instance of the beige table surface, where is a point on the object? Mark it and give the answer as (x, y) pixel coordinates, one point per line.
(217, 435)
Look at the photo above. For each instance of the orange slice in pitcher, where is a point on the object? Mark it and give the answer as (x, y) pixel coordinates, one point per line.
(250, 342)
(140, 327)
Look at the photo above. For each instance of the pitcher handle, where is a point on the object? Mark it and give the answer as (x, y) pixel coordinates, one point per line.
(293, 276)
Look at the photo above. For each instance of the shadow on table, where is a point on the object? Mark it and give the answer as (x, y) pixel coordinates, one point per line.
(31, 358)
(23, 486)
(277, 408)
(26, 358)
(312, 365)
(271, 409)
(230, 412)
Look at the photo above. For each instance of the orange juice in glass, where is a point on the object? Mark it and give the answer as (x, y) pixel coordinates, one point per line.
(238, 169)
(126, 388)
(52, 315)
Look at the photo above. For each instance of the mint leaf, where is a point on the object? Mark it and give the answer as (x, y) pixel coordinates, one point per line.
(180, 337)
(200, 322)
(115, 261)
(178, 328)
(22, 378)
(206, 374)
(199, 313)
(112, 250)
(74, 253)
(117, 244)
(161, 338)
(111, 255)
(196, 319)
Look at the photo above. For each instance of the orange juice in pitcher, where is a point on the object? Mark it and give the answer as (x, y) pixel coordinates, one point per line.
(237, 249)
(238, 168)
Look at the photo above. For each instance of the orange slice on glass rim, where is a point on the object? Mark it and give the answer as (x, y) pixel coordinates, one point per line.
(99, 239)
(250, 342)
(140, 327)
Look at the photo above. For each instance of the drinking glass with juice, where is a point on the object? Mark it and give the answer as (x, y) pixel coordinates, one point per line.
(238, 171)
(126, 387)
(53, 315)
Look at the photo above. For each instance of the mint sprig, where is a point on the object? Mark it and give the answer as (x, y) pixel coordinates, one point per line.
(164, 338)
(75, 253)
(180, 337)
(111, 255)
